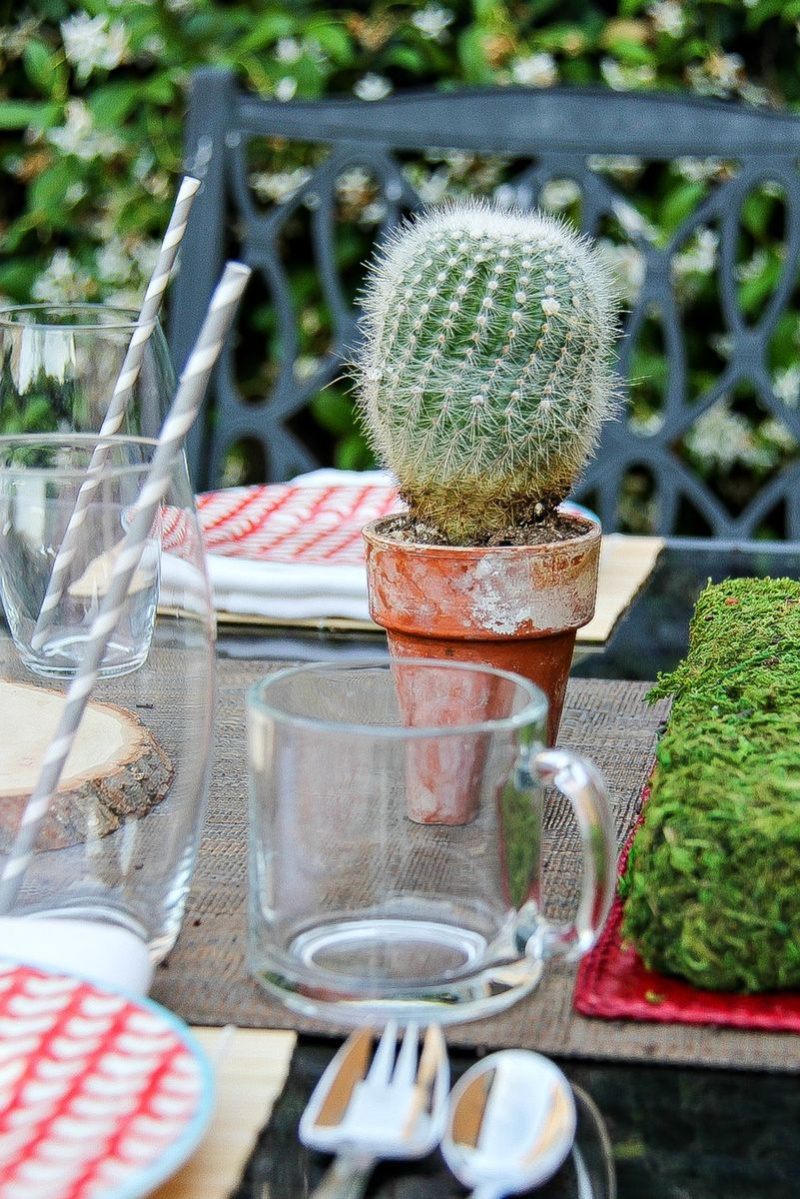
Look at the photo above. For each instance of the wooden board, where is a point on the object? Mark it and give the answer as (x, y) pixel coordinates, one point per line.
(625, 563)
(251, 1065)
(116, 769)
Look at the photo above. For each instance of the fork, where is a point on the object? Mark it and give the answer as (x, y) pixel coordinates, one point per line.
(395, 1108)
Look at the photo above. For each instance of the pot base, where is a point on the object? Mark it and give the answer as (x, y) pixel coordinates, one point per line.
(544, 660)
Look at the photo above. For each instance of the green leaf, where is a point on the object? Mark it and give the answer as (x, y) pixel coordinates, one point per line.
(410, 58)
(680, 203)
(17, 278)
(571, 39)
(47, 191)
(631, 53)
(267, 30)
(41, 67)
(20, 114)
(353, 453)
(753, 292)
(111, 104)
(757, 212)
(160, 89)
(334, 41)
(333, 411)
(472, 56)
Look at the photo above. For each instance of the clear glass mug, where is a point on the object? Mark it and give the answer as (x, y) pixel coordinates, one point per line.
(395, 840)
(118, 846)
(59, 364)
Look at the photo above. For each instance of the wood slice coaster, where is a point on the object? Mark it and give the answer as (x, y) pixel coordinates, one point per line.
(115, 770)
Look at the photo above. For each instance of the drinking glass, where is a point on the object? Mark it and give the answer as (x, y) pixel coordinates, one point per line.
(395, 840)
(41, 480)
(59, 364)
(118, 845)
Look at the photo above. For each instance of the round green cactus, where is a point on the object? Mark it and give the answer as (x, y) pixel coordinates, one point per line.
(486, 367)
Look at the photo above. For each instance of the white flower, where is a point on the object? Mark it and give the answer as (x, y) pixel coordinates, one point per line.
(305, 365)
(622, 78)
(537, 70)
(432, 21)
(558, 194)
(779, 437)
(372, 87)
(667, 17)
(699, 170)
(722, 344)
(786, 385)
(92, 42)
(114, 264)
(352, 185)
(431, 188)
(754, 266)
(62, 281)
(727, 68)
(506, 195)
(628, 265)
(75, 193)
(717, 76)
(279, 186)
(621, 166)
(632, 222)
(288, 50)
(724, 438)
(285, 88)
(752, 94)
(14, 40)
(700, 256)
(154, 45)
(373, 213)
(78, 135)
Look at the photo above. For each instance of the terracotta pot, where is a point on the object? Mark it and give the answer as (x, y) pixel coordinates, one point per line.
(514, 607)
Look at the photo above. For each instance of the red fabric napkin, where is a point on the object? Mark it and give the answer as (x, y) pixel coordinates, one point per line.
(614, 984)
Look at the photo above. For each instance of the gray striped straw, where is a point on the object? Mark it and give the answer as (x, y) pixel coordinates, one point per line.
(179, 420)
(115, 414)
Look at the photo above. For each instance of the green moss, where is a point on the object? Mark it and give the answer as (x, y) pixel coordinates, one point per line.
(712, 889)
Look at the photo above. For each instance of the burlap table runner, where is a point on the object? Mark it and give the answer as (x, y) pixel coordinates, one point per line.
(205, 980)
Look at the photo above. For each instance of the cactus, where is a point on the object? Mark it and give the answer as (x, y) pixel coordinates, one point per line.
(485, 370)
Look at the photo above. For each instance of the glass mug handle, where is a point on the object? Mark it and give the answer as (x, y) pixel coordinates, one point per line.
(580, 782)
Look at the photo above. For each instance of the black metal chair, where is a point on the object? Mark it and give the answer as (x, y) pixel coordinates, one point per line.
(543, 135)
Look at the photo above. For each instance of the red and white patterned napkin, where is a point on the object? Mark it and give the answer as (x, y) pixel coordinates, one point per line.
(293, 550)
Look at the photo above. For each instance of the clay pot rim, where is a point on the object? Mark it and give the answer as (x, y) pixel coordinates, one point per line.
(375, 532)
(534, 710)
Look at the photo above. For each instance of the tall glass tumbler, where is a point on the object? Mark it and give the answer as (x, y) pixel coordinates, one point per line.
(119, 843)
(59, 364)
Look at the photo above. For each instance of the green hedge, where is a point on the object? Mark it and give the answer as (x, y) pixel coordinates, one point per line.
(92, 99)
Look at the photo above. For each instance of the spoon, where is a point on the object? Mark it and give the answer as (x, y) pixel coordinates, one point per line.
(511, 1124)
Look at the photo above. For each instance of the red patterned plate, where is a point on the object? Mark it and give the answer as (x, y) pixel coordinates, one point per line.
(102, 1096)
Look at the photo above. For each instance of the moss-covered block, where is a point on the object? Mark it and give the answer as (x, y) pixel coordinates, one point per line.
(712, 888)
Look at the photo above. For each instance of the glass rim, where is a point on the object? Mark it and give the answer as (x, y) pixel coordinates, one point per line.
(122, 318)
(89, 441)
(535, 710)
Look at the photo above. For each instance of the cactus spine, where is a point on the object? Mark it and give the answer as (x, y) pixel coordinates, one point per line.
(485, 370)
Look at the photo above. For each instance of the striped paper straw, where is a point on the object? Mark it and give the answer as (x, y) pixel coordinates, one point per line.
(115, 414)
(181, 416)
